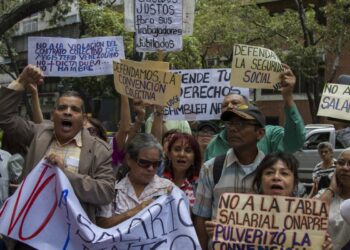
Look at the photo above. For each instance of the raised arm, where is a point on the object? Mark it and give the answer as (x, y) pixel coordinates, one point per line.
(292, 136)
(10, 98)
(37, 112)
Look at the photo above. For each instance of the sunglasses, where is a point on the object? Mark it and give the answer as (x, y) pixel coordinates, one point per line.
(146, 163)
(342, 162)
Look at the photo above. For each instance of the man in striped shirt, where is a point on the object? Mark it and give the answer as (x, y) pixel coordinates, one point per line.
(245, 126)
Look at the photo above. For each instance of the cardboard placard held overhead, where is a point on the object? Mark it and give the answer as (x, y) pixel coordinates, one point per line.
(255, 67)
(335, 101)
(149, 81)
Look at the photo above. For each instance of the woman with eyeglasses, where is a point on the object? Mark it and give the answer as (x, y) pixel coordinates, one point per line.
(335, 194)
(140, 186)
(184, 163)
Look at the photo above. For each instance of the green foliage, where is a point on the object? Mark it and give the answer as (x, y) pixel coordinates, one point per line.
(98, 20)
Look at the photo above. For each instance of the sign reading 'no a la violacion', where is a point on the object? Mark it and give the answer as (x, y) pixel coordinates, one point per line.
(67, 57)
(148, 81)
(158, 25)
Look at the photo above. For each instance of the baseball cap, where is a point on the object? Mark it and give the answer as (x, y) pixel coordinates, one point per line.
(208, 124)
(245, 112)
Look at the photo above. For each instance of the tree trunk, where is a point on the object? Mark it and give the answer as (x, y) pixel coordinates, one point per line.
(22, 11)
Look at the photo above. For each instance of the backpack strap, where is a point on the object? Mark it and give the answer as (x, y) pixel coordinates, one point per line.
(217, 169)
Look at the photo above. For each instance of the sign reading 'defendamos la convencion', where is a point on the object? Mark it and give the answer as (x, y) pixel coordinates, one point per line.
(158, 25)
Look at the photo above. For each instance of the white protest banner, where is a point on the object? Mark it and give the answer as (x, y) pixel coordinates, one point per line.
(335, 101)
(255, 67)
(202, 93)
(248, 221)
(188, 17)
(147, 81)
(158, 25)
(129, 18)
(66, 57)
(45, 213)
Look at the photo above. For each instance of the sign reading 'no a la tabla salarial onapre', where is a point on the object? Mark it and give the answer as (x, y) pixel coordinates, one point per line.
(158, 25)
(335, 101)
(270, 222)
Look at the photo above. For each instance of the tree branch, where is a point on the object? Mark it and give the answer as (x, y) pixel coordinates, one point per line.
(22, 11)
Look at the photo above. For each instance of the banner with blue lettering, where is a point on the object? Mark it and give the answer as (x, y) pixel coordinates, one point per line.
(202, 93)
(335, 101)
(45, 213)
(67, 57)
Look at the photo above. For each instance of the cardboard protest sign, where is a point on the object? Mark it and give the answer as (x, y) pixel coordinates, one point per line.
(158, 25)
(148, 81)
(45, 213)
(335, 101)
(58, 56)
(255, 67)
(270, 222)
(202, 93)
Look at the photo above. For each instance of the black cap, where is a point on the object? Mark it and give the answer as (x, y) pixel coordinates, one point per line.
(208, 124)
(247, 113)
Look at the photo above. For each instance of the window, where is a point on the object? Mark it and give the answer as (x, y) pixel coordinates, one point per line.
(315, 139)
(30, 25)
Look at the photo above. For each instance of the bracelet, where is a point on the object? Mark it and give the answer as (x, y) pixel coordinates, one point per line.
(331, 190)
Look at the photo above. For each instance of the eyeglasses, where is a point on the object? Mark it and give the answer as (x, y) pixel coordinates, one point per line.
(239, 124)
(142, 163)
(342, 162)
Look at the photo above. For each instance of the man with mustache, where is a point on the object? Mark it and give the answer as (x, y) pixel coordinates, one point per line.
(245, 127)
(85, 160)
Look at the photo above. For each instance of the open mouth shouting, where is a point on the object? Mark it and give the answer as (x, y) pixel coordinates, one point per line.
(66, 125)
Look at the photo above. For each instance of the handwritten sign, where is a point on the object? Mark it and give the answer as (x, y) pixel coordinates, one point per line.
(255, 67)
(45, 213)
(202, 93)
(158, 25)
(58, 56)
(270, 222)
(147, 81)
(335, 101)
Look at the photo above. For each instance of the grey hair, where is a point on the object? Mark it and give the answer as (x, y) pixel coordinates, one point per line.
(142, 141)
(72, 93)
(342, 152)
(325, 144)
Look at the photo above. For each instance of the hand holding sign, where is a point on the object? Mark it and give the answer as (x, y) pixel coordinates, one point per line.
(287, 84)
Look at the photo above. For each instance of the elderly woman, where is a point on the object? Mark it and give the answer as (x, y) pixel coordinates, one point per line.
(335, 194)
(141, 184)
(277, 174)
(323, 171)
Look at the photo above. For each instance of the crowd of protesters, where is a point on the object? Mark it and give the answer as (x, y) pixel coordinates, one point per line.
(115, 180)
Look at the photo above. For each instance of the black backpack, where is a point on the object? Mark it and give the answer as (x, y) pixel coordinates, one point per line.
(217, 169)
